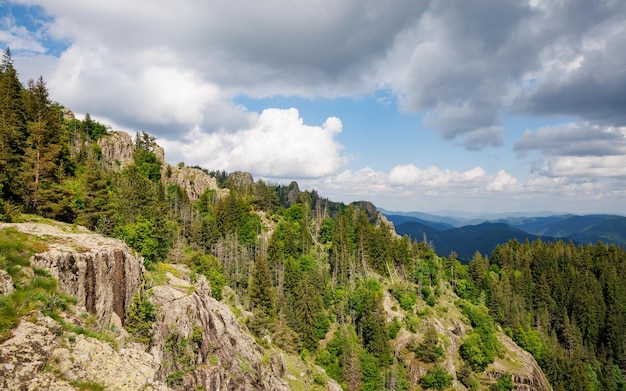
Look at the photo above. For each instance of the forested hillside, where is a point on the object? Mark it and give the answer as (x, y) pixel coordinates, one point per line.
(330, 282)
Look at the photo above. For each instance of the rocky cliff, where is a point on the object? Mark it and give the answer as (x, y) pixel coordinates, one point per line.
(194, 181)
(118, 149)
(225, 355)
(102, 273)
(196, 342)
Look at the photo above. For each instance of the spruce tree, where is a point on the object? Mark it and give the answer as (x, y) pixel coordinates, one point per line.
(12, 129)
(43, 167)
(262, 298)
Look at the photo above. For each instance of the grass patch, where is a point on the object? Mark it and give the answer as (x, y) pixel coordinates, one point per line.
(38, 293)
(159, 270)
(87, 385)
(102, 335)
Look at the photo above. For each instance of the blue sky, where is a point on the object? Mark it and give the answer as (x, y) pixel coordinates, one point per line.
(475, 106)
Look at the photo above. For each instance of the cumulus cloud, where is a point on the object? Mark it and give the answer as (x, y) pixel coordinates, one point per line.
(576, 150)
(432, 188)
(436, 180)
(278, 144)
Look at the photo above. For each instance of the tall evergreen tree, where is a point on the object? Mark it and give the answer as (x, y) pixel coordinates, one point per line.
(262, 299)
(12, 129)
(43, 166)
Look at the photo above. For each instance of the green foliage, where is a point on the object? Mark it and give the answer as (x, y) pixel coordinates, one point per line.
(429, 350)
(371, 378)
(481, 346)
(341, 359)
(140, 317)
(87, 385)
(464, 375)
(436, 378)
(142, 236)
(146, 160)
(9, 213)
(504, 383)
(474, 351)
(405, 296)
(563, 303)
(326, 230)
(394, 328)
(262, 298)
(209, 266)
(531, 341)
(180, 356)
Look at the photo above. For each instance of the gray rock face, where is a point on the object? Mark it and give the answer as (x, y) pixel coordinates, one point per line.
(40, 357)
(241, 179)
(6, 283)
(226, 356)
(194, 181)
(103, 273)
(117, 149)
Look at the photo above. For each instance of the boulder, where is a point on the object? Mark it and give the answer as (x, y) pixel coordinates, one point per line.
(6, 283)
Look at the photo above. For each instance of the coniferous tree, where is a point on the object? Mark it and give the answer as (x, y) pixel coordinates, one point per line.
(12, 129)
(262, 299)
(45, 152)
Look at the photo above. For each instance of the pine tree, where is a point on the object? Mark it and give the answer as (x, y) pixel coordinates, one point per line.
(262, 299)
(307, 306)
(43, 167)
(12, 129)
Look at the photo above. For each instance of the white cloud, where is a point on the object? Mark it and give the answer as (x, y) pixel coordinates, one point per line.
(502, 181)
(583, 166)
(435, 179)
(409, 187)
(18, 38)
(278, 144)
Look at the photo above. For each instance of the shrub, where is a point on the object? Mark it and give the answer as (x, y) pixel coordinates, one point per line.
(140, 317)
(436, 378)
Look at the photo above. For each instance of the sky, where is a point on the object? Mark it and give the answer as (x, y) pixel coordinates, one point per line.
(477, 106)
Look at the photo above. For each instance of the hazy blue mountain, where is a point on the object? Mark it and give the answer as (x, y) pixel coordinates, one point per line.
(533, 225)
(591, 229)
(466, 235)
(398, 219)
(451, 221)
(574, 224)
(610, 231)
(465, 241)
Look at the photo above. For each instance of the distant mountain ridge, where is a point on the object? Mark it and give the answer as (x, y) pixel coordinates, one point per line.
(466, 236)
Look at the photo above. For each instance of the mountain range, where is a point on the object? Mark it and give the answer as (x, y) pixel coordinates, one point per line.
(466, 235)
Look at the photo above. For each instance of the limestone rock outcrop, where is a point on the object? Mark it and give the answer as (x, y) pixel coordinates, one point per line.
(117, 149)
(40, 356)
(6, 283)
(527, 375)
(194, 181)
(240, 179)
(196, 340)
(226, 356)
(103, 273)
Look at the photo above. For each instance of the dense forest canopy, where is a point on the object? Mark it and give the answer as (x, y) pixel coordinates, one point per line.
(314, 273)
